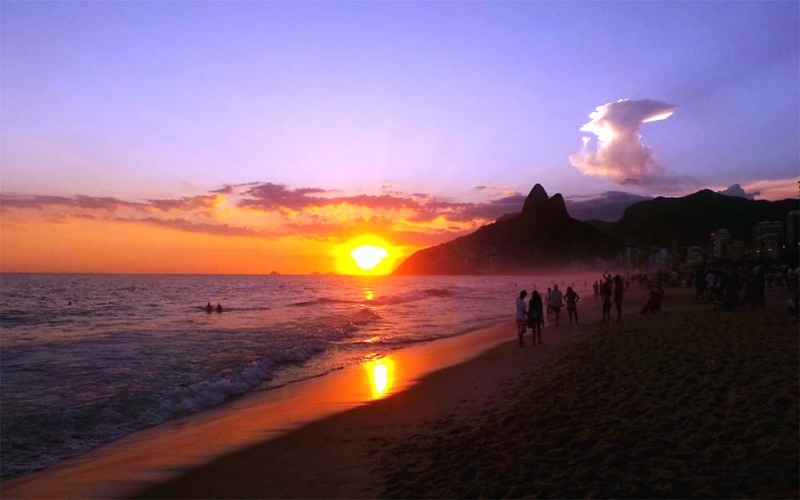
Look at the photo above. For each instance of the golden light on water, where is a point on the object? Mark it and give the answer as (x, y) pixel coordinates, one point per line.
(381, 376)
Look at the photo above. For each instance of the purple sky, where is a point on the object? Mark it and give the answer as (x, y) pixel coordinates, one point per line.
(141, 100)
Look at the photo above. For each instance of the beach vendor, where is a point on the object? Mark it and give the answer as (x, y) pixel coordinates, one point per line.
(520, 316)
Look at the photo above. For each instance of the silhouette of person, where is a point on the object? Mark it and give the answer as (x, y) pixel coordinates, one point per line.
(209, 308)
(547, 302)
(653, 304)
(520, 316)
(605, 292)
(619, 290)
(536, 316)
(219, 308)
(554, 301)
(572, 298)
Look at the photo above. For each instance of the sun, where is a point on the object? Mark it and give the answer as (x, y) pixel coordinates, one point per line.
(368, 256)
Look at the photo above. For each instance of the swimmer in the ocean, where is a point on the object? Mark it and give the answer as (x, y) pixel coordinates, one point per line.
(209, 308)
(219, 308)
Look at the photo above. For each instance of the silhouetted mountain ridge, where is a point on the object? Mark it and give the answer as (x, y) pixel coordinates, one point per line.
(691, 219)
(543, 234)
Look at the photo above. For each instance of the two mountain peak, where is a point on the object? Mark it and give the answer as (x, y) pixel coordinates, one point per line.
(538, 204)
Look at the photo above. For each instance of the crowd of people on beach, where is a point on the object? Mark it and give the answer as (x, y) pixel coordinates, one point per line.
(727, 286)
(532, 315)
(730, 287)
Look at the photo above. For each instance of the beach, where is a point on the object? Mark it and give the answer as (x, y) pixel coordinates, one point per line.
(684, 403)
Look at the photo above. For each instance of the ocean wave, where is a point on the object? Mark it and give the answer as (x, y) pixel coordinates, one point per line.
(417, 295)
(322, 300)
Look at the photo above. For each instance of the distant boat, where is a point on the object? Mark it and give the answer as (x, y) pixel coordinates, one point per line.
(274, 273)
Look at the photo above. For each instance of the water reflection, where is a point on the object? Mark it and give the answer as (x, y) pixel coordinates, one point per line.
(381, 376)
(369, 294)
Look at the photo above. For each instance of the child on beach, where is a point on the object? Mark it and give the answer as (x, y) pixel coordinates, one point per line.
(520, 316)
(535, 316)
(572, 298)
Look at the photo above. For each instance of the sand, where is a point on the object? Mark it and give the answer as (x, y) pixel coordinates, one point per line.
(685, 403)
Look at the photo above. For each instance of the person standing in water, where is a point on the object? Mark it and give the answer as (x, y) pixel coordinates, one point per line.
(520, 316)
(536, 316)
(572, 298)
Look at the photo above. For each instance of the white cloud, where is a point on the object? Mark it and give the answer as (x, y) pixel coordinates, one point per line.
(620, 154)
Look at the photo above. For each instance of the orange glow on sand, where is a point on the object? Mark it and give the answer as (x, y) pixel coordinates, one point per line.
(381, 376)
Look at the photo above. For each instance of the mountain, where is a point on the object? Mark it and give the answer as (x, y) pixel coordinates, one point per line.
(542, 235)
(691, 219)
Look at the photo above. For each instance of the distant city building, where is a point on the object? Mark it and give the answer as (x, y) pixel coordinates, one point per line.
(719, 243)
(793, 227)
(768, 237)
(736, 249)
(661, 259)
(694, 255)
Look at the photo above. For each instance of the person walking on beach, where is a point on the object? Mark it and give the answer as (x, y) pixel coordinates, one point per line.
(535, 316)
(554, 301)
(572, 298)
(520, 316)
(619, 290)
(605, 292)
(596, 289)
(700, 284)
(547, 303)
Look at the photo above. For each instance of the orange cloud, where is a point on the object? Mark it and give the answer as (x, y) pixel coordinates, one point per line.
(107, 234)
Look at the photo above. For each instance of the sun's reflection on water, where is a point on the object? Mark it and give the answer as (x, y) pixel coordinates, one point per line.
(381, 376)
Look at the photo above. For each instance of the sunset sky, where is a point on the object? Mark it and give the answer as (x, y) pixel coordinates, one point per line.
(247, 137)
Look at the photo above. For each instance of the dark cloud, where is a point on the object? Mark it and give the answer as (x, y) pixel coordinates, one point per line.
(493, 210)
(608, 206)
(620, 154)
(40, 202)
(195, 227)
(186, 203)
(739, 192)
(277, 197)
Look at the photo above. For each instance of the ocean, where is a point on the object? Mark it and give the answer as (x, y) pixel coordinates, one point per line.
(87, 359)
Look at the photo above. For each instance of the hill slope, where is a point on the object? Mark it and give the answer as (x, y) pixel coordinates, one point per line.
(542, 235)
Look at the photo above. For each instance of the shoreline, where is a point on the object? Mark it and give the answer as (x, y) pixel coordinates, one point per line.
(336, 457)
(153, 455)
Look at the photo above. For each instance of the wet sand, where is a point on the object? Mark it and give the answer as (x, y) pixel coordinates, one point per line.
(686, 403)
(345, 456)
(170, 450)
